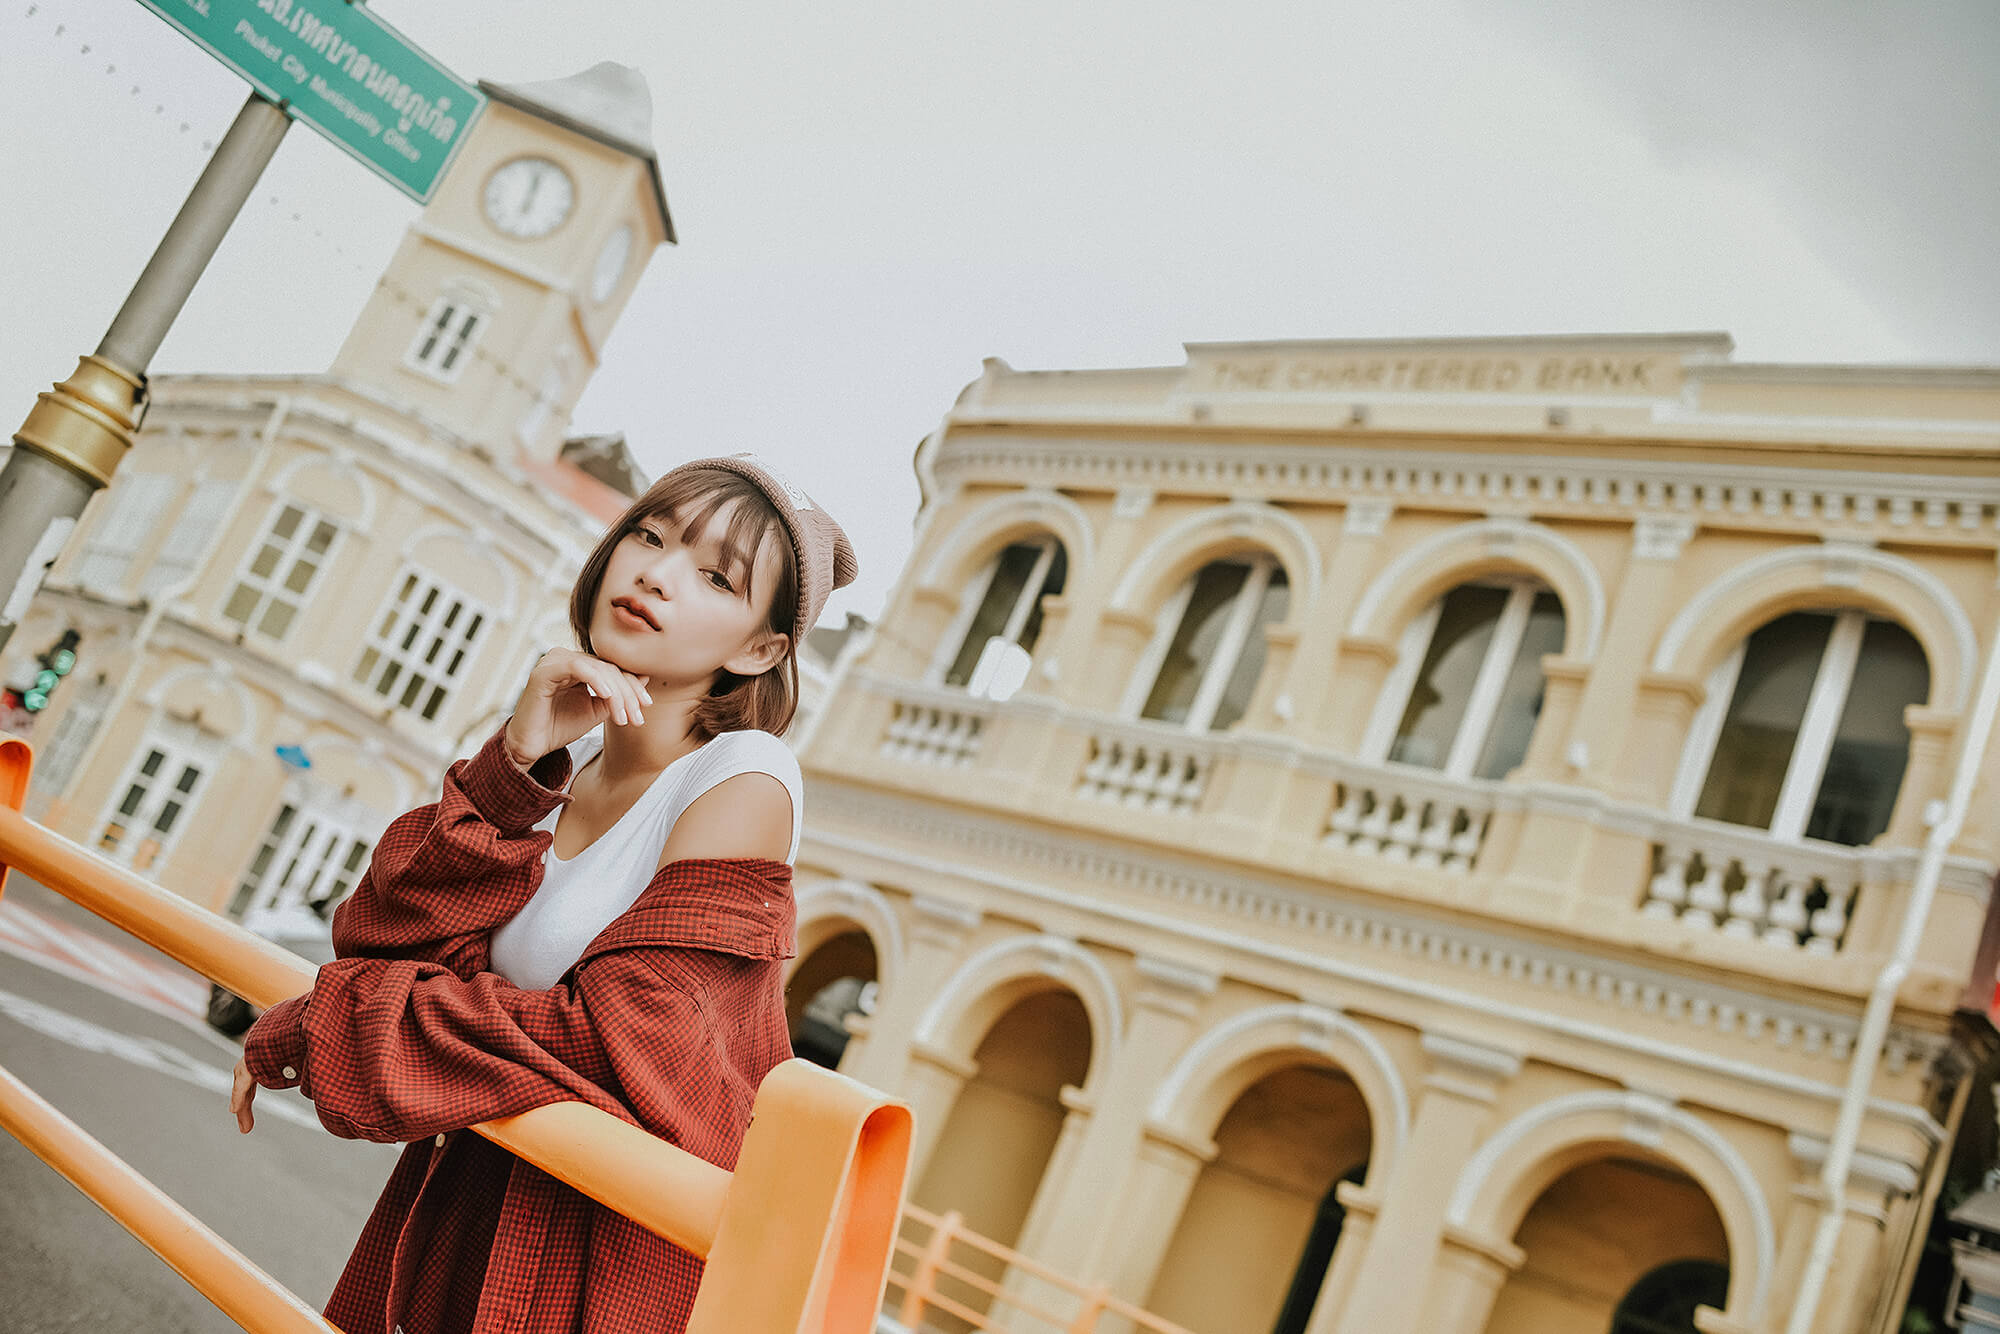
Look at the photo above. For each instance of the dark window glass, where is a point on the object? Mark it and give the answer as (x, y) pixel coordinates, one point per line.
(1250, 662)
(1451, 664)
(1521, 697)
(1010, 576)
(1762, 725)
(1664, 1300)
(1864, 770)
(1195, 640)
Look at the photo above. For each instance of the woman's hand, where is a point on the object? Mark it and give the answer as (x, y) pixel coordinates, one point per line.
(242, 1088)
(567, 694)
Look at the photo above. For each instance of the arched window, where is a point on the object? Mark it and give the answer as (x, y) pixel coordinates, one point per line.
(1204, 670)
(1468, 684)
(1664, 1300)
(1812, 742)
(993, 656)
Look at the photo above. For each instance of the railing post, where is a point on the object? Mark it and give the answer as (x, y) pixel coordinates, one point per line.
(924, 1280)
(17, 762)
(1093, 1307)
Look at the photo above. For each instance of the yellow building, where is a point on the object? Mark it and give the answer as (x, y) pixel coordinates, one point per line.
(1394, 836)
(362, 564)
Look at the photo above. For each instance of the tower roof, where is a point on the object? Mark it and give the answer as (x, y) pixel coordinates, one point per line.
(608, 102)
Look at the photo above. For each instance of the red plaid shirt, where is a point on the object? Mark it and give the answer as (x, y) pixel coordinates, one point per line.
(670, 1020)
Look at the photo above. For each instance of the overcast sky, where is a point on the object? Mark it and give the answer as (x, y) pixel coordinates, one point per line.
(872, 195)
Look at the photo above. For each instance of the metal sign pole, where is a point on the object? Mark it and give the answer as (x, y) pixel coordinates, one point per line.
(76, 434)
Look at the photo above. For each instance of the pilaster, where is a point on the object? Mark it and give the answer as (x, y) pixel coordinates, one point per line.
(1463, 1082)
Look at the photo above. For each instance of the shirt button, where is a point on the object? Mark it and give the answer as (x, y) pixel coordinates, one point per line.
(440, 1139)
(289, 1073)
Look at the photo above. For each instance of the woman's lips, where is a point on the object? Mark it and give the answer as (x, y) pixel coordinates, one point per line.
(632, 615)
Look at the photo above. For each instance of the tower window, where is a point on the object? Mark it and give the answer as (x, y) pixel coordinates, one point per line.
(445, 340)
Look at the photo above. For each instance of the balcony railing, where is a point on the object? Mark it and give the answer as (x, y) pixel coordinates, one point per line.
(1797, 897)
(1744, 883)
(933, 731)
(1155, 767)
(1412, 817)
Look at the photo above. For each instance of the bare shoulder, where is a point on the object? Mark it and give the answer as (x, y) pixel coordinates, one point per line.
(745, 815)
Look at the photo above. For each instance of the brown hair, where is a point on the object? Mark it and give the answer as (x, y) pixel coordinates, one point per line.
(767, 701)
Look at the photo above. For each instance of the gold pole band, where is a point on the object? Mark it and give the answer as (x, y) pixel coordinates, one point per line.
(86, 422)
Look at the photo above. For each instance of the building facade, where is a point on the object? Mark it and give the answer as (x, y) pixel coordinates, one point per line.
(1366, 836)
(302, 596)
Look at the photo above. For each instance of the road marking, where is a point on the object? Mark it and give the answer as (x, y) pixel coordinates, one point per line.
(83, 957)
(148, 1053)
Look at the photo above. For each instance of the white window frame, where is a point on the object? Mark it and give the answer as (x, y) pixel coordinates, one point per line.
(953, 643)
(1222, 663)
(442, 352)
(1806, 770)
(386, 649)
(130, 516)
(182, 747)
(75, 731)
(314, 820)
(191, 539)
(271, 588)
(1487, 684)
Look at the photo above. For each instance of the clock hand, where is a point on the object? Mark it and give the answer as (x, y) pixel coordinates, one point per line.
(534, 184)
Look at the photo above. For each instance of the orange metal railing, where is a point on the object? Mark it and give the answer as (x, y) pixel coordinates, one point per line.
(797, 1239)
(972, 1282)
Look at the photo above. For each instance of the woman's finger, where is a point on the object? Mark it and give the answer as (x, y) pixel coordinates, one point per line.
(242, 1089)
(628, 693)
(604, 678)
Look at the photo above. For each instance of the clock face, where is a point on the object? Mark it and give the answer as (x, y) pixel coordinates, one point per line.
(528, 197)
(611, 263)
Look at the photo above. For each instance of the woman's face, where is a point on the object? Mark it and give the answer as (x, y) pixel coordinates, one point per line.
(676, 611)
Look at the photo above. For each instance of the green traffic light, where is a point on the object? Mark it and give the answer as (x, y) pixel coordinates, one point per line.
(62, 662)
(35, 700)
(45, 681)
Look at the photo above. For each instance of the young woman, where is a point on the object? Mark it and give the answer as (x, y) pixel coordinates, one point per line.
(597, 908)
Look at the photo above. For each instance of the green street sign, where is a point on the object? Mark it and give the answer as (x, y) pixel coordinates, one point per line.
(346, 73)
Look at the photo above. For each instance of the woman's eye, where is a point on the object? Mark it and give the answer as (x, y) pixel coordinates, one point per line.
(648, 536)
(721, 580)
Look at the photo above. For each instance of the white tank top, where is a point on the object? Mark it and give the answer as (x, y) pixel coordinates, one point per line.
(582, 895)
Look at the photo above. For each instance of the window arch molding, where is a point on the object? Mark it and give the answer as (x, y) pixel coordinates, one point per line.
(1442, 561)
(1229, 1058)
(975, 539)
(987, 985)
(480, 546)
(368, 757)
(218, 679)
(1216, 534)
(825, 910)
(1811, 578)
(1529, 1154)
(358, 518)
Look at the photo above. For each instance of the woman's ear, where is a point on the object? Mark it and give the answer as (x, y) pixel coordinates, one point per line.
(760, 655)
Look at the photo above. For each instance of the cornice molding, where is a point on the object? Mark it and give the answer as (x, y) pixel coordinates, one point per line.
(1800, 498)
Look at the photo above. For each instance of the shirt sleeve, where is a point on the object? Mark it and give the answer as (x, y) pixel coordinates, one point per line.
(395, 1050)
(443, 876)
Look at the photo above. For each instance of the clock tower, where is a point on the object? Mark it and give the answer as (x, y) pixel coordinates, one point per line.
(492, 316)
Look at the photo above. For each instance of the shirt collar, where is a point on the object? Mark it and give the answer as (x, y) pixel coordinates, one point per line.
(734, 905)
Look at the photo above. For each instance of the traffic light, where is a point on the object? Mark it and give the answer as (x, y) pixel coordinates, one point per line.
(57, 663)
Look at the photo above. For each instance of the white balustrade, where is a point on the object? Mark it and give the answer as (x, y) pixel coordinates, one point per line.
(1748, 885)
(1155, 773)
(1420, 820)
(929, 733)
